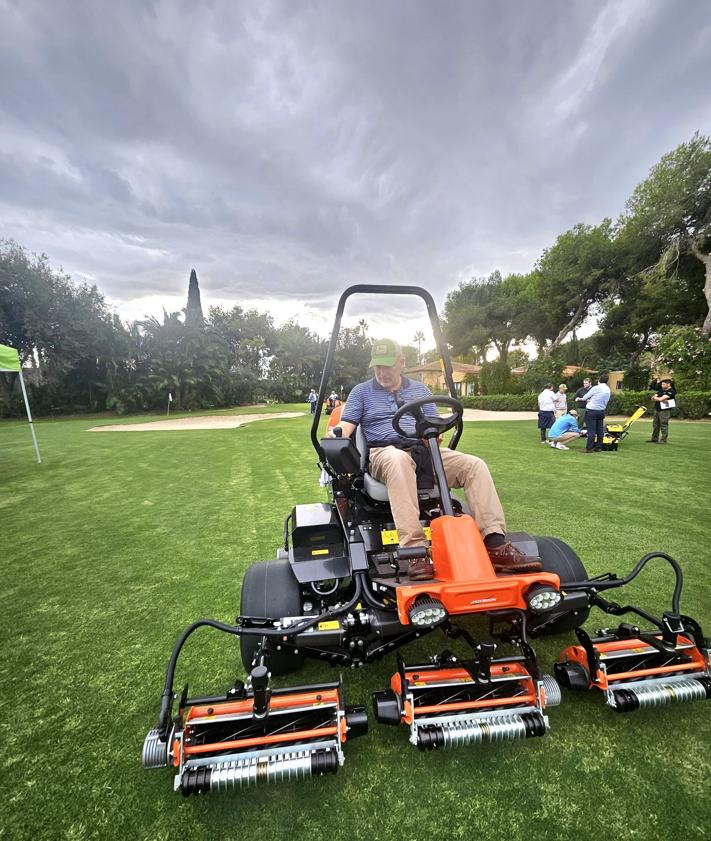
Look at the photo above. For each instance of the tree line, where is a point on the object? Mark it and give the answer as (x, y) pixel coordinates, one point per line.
(646, 277)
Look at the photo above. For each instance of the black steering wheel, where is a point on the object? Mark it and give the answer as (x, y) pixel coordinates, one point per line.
(429, 426)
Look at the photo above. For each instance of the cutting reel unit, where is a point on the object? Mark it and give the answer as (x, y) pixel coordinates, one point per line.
(450, 703)
(637, 669)
(255, 734)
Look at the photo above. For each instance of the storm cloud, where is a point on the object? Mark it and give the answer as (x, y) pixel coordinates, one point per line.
(288, 149)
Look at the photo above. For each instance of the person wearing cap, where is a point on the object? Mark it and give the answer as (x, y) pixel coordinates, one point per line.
(563, 430)
(664, 401)
(372, 405)
(560, 401)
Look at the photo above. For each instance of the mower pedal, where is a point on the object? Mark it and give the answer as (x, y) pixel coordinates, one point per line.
(448, 707)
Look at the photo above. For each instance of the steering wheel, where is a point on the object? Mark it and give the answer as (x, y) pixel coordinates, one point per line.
(429, 426)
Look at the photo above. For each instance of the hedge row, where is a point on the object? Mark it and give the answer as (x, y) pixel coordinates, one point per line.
(690, 404)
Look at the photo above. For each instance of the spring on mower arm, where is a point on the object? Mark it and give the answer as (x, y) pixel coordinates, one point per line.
(166, 701)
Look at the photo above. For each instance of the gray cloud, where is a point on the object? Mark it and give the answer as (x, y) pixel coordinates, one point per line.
(288, 149)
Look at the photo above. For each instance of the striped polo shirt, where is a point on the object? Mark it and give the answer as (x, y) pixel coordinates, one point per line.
(373, 407)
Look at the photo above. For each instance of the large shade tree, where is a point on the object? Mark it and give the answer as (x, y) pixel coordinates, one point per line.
(665, 238)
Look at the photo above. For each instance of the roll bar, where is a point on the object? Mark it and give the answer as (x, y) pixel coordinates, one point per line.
(382, 289)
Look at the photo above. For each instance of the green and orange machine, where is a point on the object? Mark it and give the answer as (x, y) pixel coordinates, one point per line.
(338, 592)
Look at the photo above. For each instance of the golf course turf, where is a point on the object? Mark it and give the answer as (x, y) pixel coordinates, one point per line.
(116, 542)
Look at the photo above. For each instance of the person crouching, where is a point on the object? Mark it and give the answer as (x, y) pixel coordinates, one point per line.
(564, 429)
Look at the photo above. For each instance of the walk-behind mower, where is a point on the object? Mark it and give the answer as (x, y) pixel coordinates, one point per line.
(338, 591)
(617, 432)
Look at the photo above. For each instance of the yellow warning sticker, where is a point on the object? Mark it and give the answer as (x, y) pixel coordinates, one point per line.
(389, 536)
(332, 625)
(319, 551)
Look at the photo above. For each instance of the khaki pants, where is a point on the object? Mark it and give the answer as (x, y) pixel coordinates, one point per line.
(396, 470)
(566, 436)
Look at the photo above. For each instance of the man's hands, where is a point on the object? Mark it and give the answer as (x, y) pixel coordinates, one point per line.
(347, 429)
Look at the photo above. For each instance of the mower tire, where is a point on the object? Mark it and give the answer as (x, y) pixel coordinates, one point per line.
(562, 560)
(270, 589)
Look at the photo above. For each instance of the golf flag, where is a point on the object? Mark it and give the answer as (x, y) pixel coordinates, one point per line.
(170, 397)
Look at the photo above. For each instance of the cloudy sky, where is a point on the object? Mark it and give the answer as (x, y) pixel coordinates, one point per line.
(288, 149)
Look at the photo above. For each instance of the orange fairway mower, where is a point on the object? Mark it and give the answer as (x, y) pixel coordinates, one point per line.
(339, 592)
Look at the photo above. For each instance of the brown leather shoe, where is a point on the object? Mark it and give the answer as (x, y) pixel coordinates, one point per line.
(420, 569)
(507, 558)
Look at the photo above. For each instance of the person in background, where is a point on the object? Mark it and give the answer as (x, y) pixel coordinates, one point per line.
(596, 401)
(546, 410)
(564, 429)
(662, 410)
(579, 403)
(313, 400)
(560, 400)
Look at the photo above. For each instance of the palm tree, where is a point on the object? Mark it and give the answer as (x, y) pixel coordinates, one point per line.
(419, 338)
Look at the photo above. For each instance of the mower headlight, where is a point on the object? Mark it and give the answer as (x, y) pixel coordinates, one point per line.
(542, 598)
(427, 612)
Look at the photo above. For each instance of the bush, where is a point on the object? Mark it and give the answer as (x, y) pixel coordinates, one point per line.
(543, 370)
(692, 404)
(496, 378)
(503, 402)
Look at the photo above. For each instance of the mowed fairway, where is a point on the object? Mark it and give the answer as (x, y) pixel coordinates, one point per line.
(119, 540)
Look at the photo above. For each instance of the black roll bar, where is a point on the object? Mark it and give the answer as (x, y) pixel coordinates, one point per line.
(382, 289)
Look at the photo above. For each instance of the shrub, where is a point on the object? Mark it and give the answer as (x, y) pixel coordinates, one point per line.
(496, 378)
(543, 370)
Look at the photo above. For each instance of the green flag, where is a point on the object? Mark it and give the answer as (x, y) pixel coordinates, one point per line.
(9, 359)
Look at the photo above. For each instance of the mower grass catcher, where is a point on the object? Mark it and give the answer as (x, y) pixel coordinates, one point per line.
(339, 591)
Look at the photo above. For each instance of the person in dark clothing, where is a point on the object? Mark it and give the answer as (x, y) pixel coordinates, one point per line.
(581, 405)
(664, 401)
(596, 401)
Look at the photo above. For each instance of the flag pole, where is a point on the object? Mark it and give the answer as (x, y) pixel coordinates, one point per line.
(29, 417)
(170, 400)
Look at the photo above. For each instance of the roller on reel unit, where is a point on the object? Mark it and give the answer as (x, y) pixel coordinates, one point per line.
(255, 735)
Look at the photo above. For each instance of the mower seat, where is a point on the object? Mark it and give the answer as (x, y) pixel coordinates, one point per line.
(377, 490)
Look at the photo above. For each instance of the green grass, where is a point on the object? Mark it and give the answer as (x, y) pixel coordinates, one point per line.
(117, 541)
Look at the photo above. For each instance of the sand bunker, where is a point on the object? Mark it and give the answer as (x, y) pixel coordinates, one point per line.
(205, 422)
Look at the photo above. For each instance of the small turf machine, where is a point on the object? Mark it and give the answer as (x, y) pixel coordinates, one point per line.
(338, 592)
(617, 432)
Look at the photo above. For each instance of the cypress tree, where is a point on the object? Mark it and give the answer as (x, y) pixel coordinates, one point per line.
(193, 312)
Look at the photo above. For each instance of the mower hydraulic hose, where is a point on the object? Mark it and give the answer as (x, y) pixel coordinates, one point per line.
(368, 595)
(166, 702)
(611, 584)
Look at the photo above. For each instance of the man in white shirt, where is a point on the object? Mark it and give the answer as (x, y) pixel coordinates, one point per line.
(546, 410)
(596, 401)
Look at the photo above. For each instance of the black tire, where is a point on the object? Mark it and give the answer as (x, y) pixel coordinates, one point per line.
(562, 560)
(269, 589)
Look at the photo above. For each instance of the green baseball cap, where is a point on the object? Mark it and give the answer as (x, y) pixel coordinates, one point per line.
(385, 352)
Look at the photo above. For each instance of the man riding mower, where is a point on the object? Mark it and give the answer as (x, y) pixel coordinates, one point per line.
(344, 589)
